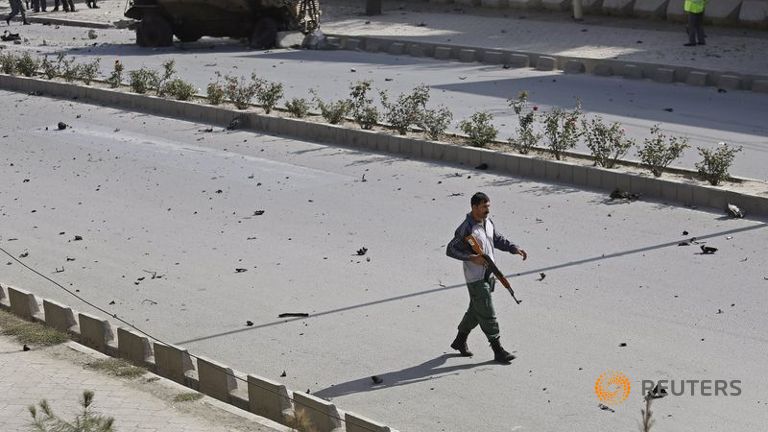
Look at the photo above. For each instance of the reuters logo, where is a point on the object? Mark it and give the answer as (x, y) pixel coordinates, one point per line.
(612, 388)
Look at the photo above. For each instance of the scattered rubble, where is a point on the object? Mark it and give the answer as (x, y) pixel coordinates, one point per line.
(293, 314)
(708, 250)
(733, 211)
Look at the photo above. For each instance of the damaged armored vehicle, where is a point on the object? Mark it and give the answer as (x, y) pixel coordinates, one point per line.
(189, 20)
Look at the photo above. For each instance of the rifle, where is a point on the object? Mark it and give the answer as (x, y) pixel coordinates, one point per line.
(495, 270)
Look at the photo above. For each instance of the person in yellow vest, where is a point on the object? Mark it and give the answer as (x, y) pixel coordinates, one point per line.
(695, 11)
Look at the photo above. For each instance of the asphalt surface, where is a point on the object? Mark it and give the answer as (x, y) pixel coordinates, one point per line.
(705, 115)
(151, 194)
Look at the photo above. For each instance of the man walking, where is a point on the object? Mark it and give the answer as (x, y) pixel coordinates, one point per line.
(479, 280)
(16, 8)
(69, 6)
(695, 11)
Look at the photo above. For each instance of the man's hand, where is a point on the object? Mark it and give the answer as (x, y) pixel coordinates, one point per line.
(523, 254)
(477, 259)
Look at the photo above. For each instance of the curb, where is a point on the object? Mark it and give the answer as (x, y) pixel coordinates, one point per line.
(661, 73)
(683, 192)
(176, 364)
(69, 22)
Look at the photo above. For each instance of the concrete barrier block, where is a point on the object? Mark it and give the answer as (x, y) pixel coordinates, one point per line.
(618, 7)
(668, 190)
(560, 172)
(609, 180)
(559, 5)
(333, 41)
(592, 5)
(760, 86)
(580, 175)
(723, 11)
(467, 55)
(603, 69)
(216, 379)
(525, 166)
(623, 181)
(442, 53)
(269, 399)
(23, 303)
(58, 316)
(439, 150)
(664, 75)
(394, 144)
(574, 67)
(172, 362)
(420, 50)
(494, 3)
(511, 164)
(675, 11)
(133, 346)
(632, 71)
(651, 8)
(3, 296)
(546, 63)
(696, 78)
(357, 423)
(684, 193)
(718, 198)
(95, 332)
(730, 82)
(427, 150)
(493, 57)
(467, 2)
(519, 61)
(646, 187)
(351, 44)
(322, 414)
(441, 1)
(538, 168)
(754, 12)
(524, 4)
(375, 45)
(396, 48)
(463, 154)
(594, 178)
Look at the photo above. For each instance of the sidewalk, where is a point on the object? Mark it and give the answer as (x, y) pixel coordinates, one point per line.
(143, 404)
(546, 33)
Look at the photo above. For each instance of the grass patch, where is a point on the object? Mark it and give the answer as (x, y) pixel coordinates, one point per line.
(29, 333)
(116, 367)
(188, 397)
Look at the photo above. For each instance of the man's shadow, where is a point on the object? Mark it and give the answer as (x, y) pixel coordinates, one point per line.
(423, 372)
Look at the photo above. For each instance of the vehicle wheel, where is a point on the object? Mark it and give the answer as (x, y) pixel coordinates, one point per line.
(154, 31)
(188, 37)
(264, 33)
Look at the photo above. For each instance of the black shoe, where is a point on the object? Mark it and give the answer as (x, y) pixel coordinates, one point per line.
(689, 44)
(500, 354)
(460, 344)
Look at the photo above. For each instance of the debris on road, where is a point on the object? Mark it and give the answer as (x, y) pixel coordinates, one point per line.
(62, 125)
(10, 37)
(249, 323)
(733, 211)
(482, 166)
(24, 254)
(708, 250)
(258, 212)
(240, 270)
(78, 238)
(92, 34)
(362, 251)
(541, 276)
(283, 375)
(605, 408)
(376, 380)
(293, 314)
(624, 195)
(234, 124)
(25, 348)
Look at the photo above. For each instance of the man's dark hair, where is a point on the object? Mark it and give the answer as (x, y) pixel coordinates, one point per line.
(479, 198)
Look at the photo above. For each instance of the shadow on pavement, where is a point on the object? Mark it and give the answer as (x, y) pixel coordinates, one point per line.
(429, 370)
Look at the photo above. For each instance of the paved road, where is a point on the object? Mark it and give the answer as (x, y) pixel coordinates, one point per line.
(702, 114)
(156, 194)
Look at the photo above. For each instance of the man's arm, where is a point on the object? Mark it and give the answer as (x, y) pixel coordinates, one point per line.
(501, 243)
(458, 248)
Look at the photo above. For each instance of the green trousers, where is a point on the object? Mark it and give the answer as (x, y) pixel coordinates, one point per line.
(480, 310)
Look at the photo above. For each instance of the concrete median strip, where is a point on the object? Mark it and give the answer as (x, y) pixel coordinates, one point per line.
(567, 64)
(665, 188)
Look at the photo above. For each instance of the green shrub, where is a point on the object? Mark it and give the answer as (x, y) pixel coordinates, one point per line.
(141, 80)
(526, 139)
(240, 91)
(70, 70)
(89, 71)
(407, 111)
(363, 112)
(479, 128)
(116, 77)
(659, 151)
(8, 63)
(434, 122)
(298, 107)
(50, 69)
(333, 112)
(180, 89)
(161, 79)
(268, 95)
(714, 167)
(27, 65)
(608, 144)
(216, 92)
(88, 420)
(562, 129)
